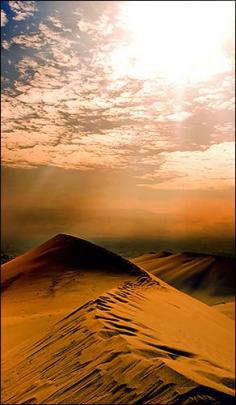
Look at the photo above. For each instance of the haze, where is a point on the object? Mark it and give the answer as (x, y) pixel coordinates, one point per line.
(118, 122)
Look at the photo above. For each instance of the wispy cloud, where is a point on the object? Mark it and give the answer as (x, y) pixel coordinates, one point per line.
(211, 169)
(4, 18)
(22, 9)
(70, 106)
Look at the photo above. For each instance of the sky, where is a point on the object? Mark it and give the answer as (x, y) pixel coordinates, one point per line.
(118, 122)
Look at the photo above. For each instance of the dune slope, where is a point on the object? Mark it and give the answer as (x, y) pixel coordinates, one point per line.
(227, 309)
(48, 282)
(133, 340)
(209, 278)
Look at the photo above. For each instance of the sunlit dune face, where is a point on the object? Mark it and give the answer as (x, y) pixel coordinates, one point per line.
(180, 41)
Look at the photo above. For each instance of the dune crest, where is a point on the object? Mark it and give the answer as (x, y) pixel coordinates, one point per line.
(64, 251)
(43, 285)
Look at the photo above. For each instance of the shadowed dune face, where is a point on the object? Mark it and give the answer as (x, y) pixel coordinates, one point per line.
(227, 309)
(107, 334)
(209, 278)
(66, 250)
(44, 284)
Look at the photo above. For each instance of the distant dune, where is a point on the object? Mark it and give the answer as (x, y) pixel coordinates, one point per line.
(209, 278)
(227, 309)
(82, 325)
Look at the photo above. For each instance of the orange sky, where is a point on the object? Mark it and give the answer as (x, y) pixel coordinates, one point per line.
(118, 119)
(92, 206)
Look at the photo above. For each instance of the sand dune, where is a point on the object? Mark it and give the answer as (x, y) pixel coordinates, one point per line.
(103, 331)
(227, 309)
(209, 278)
(48, 282)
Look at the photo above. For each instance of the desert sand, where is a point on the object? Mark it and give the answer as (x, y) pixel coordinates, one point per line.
(209, 278)
(227, 308)
(81, 325)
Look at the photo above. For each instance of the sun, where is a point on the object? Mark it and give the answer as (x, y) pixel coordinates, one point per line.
(178, 40)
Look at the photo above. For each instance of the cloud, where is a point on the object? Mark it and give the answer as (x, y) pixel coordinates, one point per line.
(5, 44)
(68, 107)
(179, 116)
(28, 41)
(209, 169)
(56, 21)
(4, 18)
(22, 9)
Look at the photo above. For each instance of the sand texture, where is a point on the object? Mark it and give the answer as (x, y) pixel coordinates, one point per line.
(82, 325)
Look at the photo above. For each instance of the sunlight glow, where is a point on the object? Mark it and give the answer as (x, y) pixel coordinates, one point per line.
(178, 40)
